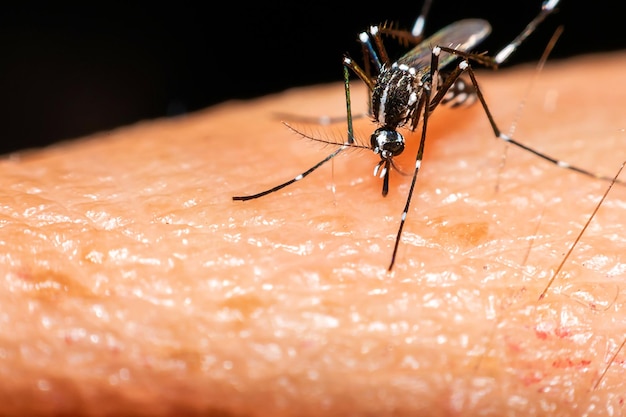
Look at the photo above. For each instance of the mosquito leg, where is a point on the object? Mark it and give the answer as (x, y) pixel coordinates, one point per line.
(364, 75)
(423, 108)
(346, 84)
(369, 52)
(508, 139)
(347, 144)
(539, 68)
(418, 164)
(416, 35)
(291, 181)
(547, 8)
(354, 67)
(420, 22)
(448, 83)
(464, 67)
(460, 93)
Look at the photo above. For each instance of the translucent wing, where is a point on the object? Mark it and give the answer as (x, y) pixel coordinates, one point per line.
(462, 35)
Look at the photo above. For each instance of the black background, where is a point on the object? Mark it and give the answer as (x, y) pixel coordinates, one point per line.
(71, 70)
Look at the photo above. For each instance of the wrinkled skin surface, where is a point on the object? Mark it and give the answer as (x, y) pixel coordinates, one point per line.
(133, 284)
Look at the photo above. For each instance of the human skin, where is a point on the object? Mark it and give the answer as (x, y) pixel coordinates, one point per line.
(134, 285)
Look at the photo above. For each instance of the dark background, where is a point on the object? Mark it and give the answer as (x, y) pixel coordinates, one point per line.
(71, 70)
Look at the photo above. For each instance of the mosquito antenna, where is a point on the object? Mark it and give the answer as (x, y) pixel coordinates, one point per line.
(352, 144)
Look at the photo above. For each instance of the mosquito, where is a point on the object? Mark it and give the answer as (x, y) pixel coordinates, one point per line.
(406, 92)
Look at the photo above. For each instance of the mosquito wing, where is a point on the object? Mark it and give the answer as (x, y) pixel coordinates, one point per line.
(462, 35)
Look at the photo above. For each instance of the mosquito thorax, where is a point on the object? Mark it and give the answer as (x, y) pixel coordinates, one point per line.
(387, 142)
(395, 94)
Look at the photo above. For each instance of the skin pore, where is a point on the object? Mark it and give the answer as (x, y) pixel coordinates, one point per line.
(134, 285)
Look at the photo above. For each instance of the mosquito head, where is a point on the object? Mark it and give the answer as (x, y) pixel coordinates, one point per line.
(387, 143)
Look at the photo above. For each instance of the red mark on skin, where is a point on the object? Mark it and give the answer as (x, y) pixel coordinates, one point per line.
(562, 332)
(23, 275)
(115, 350)
(569, 363)
(513, 345)
(543, 331)
(532, 378)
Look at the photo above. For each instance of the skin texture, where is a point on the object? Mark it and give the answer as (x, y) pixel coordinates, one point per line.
(133, 284)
